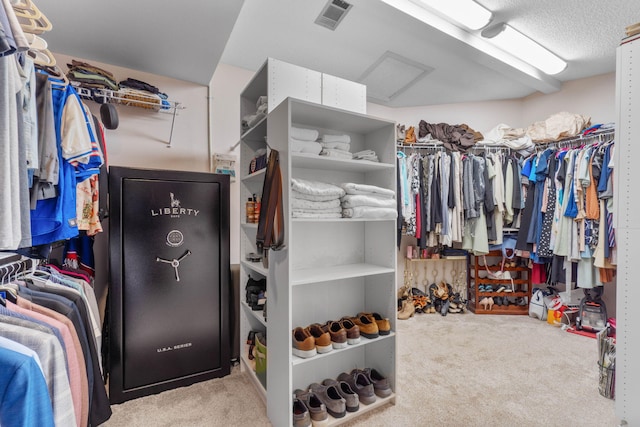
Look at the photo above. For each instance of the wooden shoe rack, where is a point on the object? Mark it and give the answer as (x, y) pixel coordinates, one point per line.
(521, 280)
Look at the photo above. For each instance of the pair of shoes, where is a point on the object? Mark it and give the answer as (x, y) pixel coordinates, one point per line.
(337, 332)
(317, 409)
(353, 330)
(350, 397)
(501, 301)
(303, 343)
(301, 415)
(410, 135)
(380, 383)
(359, 383)
(329, 395)
(367, 324)
(487, 303)
(407, 310)
(301, 340)
(384, 326)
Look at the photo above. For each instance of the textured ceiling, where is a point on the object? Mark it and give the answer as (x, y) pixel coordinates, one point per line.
(180, 39)
(583, 32)
(186, 40)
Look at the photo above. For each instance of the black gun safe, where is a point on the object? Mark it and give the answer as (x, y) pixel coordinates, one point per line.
(168, 320)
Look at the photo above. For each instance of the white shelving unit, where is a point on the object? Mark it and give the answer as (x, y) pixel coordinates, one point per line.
(329, 268)
(627, 230)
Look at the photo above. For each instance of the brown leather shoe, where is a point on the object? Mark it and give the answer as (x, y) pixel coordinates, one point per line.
(322, 337)
(303, 344)
(368, 326)
(338, 334)
(353, 331)
(384, 327)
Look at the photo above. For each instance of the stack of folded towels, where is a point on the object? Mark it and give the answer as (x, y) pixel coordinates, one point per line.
(304, 141)
(337, 146)
(368, 201)
(314, 199)
(366, 155)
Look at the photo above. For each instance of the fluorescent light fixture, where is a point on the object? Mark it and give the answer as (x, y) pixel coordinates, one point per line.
(465, 12)
(521, 46)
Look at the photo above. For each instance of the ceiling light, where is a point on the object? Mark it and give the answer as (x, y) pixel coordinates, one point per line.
(521, 46)
(465, 12)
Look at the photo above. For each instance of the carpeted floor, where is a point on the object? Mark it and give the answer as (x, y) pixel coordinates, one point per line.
(458, 370)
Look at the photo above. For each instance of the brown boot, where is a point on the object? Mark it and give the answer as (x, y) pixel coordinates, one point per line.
(408, 309)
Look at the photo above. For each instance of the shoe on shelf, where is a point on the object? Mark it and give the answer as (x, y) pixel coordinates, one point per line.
(322, 337)
(384, 327)
(368, 326)
(497, 300)
(380, 383)
(330, 396)
(501, 289)
(301, 416)
(361, 385)
(350, 397)
(338, 334)
(353, 331)
(304, 345)
(317, 409)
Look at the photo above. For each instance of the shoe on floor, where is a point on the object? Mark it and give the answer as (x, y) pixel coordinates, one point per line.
(352, 402)
(360, 384)
(303, 344)
(380, 383)
(338, 334)
(317, 409)
(322, 337)
(330, 396)
(301, 416)
(353, 331)
(368, 326)
(384, 327)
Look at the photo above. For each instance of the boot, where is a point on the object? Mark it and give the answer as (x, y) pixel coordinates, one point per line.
(408, 309)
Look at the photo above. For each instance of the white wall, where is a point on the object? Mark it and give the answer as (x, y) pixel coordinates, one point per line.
(593, 96)
(226, 85)
(142, 136)
(480, 116)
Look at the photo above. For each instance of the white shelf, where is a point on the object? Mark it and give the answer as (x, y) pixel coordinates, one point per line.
(256, 266)
(325, 274)
(256, 314)
(250, 369)
(313, 161)
(255, 176)
(343, 220)
(249, 226)
(380, 401)
(257, 132)
(363, 341)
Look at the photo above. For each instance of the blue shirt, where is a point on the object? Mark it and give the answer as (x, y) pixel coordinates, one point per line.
(24, 397)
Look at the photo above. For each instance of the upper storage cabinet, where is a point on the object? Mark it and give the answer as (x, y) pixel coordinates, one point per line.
(275, 81)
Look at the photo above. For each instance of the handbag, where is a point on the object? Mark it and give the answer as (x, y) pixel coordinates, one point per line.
(500, 274)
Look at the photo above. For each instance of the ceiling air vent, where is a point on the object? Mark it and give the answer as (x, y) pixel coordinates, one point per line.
(333, 13)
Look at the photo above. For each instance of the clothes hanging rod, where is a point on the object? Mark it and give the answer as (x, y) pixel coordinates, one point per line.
(578, 139)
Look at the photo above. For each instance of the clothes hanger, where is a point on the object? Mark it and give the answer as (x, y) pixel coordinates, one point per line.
(26, 9)
(42, 57)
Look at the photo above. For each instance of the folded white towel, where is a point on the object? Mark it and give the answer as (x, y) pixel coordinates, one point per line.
(335, 153)
(330, 210)
(303, 134)
(336, 138)
(313, 197)
(339, 145)
(316, 215)
(316, 188)
(299, 146)
(352, 188)
(354, 200)
(297, 203)
(370, 212)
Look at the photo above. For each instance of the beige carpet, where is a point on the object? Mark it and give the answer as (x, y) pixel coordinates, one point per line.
(458, 370)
